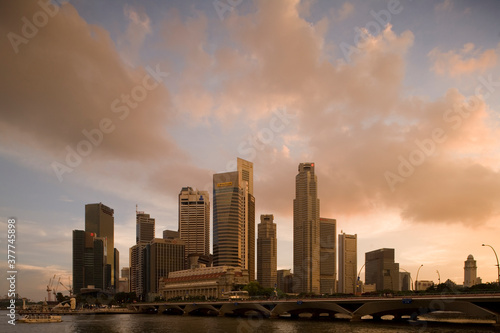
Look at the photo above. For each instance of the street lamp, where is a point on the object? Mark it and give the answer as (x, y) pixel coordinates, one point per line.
(498, 266)
(416, 278)
(439, 277)
(356, 283)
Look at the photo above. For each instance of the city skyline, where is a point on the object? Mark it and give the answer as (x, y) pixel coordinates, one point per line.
(125, 103)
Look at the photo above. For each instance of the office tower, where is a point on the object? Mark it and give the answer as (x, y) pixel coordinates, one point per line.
(470, 272)
(234, 218)
(348, 263)
(381, 270)
(170, 234)
(194, 221)
(116, 265)
(126, 272)
(404, 281)
(162, 257)
(145, 228)
(137, 269)
(328, 257)
(284, 277)
(306, 241)
(267, 262)
(88, 261)
(99, 220)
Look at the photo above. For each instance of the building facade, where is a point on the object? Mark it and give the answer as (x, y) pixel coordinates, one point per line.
(194, 221)
(145, 228)
(89, 261)
(99, 219)
(162, 257)
(209, 282)
(234, 218)
(306, 229)
(348, 263)
(405, 283)
(328, 255)
(267, 250)
(285, 280)
(381, 270)
(470, 272)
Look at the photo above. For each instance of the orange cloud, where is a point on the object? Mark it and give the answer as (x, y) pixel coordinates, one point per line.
(465, 61)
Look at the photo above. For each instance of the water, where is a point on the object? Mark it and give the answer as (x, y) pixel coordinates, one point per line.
(138, 323)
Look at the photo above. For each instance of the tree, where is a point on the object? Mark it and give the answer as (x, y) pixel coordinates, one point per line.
(254, 288)
(59, 297)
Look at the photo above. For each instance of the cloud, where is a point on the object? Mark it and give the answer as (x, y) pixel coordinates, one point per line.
(130, 44)
(468, 60)
(445, 6)
(339, 15)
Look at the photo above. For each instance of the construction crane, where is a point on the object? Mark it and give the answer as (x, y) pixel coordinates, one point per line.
(49, 287)
(67, 288)
(55, 289)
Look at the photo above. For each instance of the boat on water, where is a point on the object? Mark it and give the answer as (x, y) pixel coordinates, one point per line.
(40, 318)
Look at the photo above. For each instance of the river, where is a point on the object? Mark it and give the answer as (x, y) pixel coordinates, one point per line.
(138, 323)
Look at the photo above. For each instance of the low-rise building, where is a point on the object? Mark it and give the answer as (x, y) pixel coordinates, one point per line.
(203, 281)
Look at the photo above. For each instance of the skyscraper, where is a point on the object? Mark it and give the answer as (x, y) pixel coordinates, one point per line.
(328, 257)
(348, 263)
(99, 219)
(381, 270)
(162, 257)
(88, 261)
(145, 228)
(144, 234)
(234, 218)
(306, 229)
(267, 262)
(194, 221)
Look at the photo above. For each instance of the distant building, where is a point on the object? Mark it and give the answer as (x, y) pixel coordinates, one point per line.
(234, 218)
(138, 270)
(203, 281)
(145, 233)
(162, 257)
(470, 272)
(306, 231)
(348, 263)
(285, 280)
(126, 272)
(99, 219)
(145, 228)
(194, 221)
(328, 257)
(404, 281)
(89, 261)
(170, 234)
(267, 249)
(422, 285)
(123, 285)
(381, 270)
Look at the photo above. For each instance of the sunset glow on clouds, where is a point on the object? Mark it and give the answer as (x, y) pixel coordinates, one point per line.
(397, 105)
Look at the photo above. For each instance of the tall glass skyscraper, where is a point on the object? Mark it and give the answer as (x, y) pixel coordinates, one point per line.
(234, 218)
(99, 219)
(306, 230)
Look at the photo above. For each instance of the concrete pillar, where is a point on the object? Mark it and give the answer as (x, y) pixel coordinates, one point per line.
(356, 317)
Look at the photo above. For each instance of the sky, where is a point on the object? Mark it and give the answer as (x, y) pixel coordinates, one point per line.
(125, 102)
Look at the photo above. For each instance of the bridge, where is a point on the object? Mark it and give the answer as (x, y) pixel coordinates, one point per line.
(483, 307)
